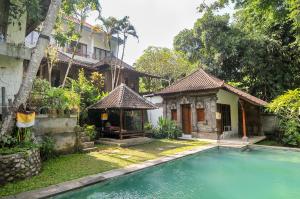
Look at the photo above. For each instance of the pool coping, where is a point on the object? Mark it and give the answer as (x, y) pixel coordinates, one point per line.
(63, 187)
(275, 147)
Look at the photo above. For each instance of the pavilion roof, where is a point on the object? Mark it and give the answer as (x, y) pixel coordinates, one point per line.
(123, 97)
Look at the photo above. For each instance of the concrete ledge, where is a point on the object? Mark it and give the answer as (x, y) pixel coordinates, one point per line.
(92, 179)
(15, 50)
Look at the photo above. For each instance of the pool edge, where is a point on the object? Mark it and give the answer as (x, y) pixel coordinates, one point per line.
(63, 187)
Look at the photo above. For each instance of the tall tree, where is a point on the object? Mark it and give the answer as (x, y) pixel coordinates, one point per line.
(165, 63)
(111, 27)
(257, 48)
(30, 74)
(73, 15)
(51, 55)
(126, 29)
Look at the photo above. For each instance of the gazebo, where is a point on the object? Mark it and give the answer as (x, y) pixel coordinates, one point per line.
(120, 112)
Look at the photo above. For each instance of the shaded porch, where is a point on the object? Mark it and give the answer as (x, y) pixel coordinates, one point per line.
(120, 114)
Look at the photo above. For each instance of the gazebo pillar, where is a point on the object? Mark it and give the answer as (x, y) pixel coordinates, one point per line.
(142, 114)
(121, 123)
(242, 103)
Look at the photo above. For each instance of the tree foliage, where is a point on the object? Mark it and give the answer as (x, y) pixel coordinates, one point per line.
(121, 29)
(89, 91)
(165, 63)
(287, 108)
(257, 48)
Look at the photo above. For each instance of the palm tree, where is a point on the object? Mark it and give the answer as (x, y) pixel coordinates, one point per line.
(112, 27)
(126, 29)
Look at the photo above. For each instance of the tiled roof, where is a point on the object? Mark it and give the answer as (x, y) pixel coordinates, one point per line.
(201, 80)
(108, 60)
(62, 57)
(123, 97)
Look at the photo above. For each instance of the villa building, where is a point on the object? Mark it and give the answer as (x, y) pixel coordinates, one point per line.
(13, 54)
(204, 105)
(92, 55)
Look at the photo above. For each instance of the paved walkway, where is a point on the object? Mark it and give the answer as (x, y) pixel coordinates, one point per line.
(92, 179)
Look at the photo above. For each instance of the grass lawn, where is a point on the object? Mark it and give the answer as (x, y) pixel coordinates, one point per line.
(69, 167)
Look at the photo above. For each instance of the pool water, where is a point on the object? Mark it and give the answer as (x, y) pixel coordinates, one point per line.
(212, 174)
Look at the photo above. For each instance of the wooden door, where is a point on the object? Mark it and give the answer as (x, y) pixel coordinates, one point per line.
(186, 118)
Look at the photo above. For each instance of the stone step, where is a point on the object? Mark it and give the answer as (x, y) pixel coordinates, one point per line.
(85, 139)
(85, 145)
(87, 150)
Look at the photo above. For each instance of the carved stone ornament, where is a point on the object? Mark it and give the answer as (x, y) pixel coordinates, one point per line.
(199, 105)
(184, 100)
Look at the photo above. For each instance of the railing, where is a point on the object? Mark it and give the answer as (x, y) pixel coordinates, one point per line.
(71, 50)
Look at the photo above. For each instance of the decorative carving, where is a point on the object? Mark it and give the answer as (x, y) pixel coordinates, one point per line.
(184, 100)
(199, 105)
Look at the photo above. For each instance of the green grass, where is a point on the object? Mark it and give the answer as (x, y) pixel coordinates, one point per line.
(69, 167)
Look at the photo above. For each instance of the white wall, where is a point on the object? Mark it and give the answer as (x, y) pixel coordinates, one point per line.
(11, 68)
(225, 97)
(153, 115)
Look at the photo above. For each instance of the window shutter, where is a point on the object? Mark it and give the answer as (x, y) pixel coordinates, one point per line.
(174, 114)
(200, 115)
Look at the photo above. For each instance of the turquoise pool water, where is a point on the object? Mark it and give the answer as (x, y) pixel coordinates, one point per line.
(213, 174)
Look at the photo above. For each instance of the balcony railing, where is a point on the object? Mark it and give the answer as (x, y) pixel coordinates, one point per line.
(79, 53)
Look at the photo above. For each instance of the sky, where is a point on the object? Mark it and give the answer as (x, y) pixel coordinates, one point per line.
(156, 21)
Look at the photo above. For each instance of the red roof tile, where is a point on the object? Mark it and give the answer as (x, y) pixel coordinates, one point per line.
(201, 80)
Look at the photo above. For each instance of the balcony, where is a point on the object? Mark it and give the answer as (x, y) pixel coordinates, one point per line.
(79, 52)
(15, 50)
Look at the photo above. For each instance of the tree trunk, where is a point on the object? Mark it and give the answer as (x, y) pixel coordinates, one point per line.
(73, 55)
(122, 58)
(49, 75)
(34, 64)
(69, 65)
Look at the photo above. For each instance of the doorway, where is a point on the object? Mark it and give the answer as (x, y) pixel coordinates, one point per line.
(186, 118)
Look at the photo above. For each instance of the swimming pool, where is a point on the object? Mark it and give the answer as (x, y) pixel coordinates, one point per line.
(212, 174)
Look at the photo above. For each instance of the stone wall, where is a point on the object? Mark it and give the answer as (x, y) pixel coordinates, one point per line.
(19, 166)
(196, 100)
(61, 129)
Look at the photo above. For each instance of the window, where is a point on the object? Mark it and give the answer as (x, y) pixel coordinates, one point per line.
(200, 114)
(81, 49)
(226, 115)
(99, 53)
(225, 124)
(174, 114)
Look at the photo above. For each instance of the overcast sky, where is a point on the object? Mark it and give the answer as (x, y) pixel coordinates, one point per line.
(156, 21)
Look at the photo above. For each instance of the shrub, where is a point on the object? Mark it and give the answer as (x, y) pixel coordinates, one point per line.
(167, 129)
(149, 126)
(287, 108)
(39, 92)
(90, 131)
(45, 96)
(47, 148)
(17, 142)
